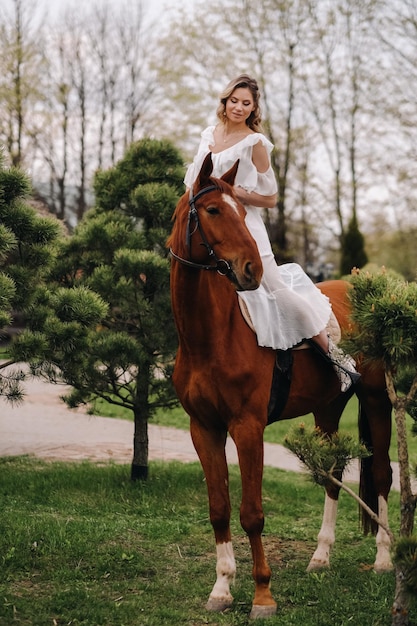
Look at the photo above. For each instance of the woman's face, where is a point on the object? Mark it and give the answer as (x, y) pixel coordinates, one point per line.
(239, 105)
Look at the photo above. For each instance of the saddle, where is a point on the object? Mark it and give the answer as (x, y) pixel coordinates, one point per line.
(281, 378)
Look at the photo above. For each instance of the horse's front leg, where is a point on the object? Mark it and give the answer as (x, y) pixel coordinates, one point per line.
(249, 444)
(210, 447)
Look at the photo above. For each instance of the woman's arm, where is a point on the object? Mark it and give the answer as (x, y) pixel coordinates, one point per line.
(261, 161)
(255, 199)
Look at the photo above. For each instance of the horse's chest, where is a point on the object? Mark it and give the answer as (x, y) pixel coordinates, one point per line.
(218, 388)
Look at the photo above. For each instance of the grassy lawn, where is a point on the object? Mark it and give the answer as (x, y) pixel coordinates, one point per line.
(275, 433)
(81, 545)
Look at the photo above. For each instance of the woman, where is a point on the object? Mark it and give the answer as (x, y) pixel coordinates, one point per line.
(287, 307)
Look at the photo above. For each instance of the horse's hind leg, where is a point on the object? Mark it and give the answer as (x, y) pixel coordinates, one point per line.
(210, 447)
(249, 444)
(376, 473)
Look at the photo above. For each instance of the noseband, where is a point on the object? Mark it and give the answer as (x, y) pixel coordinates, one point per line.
(221, 265)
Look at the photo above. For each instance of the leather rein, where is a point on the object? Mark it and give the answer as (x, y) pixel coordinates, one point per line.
(221, 265)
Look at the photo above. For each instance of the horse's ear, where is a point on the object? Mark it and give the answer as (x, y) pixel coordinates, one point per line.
(230, 175)
(205, 172)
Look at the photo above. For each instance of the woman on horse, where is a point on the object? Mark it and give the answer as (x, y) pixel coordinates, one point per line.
(287, 308)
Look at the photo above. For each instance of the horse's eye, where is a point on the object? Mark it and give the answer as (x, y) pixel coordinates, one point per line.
(213, 210)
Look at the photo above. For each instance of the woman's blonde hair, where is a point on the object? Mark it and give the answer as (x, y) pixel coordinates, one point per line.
(254, 120)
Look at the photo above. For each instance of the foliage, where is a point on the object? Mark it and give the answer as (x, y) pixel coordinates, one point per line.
(27, 248)
(148, 162)
(27, 242)
(108, 329)
(385, 312)
(352, 248)
(396, 249)
(321, 454)
(80, 543)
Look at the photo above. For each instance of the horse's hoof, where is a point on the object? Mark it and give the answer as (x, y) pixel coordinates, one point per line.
(262, 611)
(316, 566)
(218, 605)
(383, 568)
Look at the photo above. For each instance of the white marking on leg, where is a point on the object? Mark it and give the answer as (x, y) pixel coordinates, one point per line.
(383, 562)
(226, 571)
(326, 536)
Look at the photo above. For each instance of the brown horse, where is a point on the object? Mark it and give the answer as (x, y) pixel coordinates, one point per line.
(223, 380)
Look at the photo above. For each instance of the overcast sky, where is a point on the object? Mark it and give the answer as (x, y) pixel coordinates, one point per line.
(153, 8)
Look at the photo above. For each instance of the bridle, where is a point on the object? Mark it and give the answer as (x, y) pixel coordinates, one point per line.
(221, 265)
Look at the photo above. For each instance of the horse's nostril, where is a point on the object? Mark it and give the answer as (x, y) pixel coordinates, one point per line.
(248, 270)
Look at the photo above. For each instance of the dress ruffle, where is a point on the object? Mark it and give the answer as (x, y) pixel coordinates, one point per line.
(288, 311)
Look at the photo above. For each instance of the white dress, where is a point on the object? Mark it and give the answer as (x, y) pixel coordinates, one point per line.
(287, 307)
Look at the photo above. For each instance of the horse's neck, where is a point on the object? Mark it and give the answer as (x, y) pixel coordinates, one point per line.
(204, 305)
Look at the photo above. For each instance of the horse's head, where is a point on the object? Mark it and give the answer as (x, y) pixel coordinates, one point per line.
(210, 232)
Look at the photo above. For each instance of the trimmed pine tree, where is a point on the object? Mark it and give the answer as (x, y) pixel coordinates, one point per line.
(105, 325)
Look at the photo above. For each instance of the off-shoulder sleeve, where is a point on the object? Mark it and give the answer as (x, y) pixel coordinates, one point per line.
(263, 183)
(257, 137)
(266, 184)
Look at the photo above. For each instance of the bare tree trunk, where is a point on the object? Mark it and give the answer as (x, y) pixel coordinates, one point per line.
(407, 499)
(63, 94)
(139, 468)
(17, 155)
(281, 162)
(100, 36)
(21, 75)
(80, 81)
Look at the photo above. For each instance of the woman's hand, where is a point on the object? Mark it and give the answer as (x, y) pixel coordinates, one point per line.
(242, 194)
(254, 199)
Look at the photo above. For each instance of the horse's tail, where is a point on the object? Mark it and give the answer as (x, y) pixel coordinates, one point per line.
(367, 490)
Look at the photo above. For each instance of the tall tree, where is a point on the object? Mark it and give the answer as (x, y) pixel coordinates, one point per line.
(353, 253)
(339, 33)
(81, 71)
(54, 146)
(395, 101)
(21, 76)
(138, 82)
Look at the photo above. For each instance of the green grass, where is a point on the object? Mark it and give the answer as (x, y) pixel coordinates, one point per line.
(80, 544)
(275, 433)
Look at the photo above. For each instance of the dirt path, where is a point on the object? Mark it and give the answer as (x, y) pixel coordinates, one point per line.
(44, 427)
